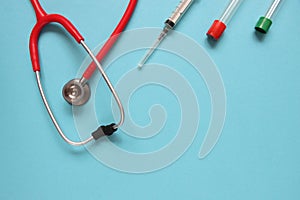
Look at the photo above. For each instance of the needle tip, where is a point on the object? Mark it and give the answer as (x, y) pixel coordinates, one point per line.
(140, 65)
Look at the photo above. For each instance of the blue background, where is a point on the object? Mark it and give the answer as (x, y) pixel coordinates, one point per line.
(257, 156)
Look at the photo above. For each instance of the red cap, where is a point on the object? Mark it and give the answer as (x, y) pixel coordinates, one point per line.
(216, 30)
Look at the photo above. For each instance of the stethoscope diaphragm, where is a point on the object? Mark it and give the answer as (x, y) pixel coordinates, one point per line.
(76, 93)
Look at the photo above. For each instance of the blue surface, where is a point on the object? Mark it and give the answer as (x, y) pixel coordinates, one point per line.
(257, 156)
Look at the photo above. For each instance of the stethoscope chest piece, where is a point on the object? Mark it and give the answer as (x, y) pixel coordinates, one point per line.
(76, 93)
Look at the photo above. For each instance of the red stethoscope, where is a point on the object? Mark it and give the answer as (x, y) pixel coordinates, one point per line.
(77, 91)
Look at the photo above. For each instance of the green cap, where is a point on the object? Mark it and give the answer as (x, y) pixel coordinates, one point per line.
(263, 25)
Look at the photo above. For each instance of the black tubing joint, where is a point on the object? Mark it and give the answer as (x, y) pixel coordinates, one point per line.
(104, 131)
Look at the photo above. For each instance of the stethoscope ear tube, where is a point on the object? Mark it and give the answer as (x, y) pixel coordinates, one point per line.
(57, 126)
(108, 83)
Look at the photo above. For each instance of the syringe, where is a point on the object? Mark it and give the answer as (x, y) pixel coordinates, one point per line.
(169, 25)
(264, 23)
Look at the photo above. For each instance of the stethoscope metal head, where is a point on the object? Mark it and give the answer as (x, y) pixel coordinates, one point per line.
(76, 92)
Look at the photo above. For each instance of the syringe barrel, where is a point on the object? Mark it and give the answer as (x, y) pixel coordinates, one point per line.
(179, 12)
(230, 10)
(273, 8)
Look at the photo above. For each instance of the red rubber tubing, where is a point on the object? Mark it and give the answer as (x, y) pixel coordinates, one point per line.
(43, 19)
(112, 39)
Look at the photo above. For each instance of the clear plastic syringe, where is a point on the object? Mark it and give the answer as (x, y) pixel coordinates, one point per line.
(219, 26)
(264, 23)
(169, 25)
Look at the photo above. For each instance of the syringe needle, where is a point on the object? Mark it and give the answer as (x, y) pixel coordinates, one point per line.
(148, 54)
(152, 49)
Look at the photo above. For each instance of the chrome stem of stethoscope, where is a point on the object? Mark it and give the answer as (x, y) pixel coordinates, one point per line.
(110, 86)
(38, 79)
